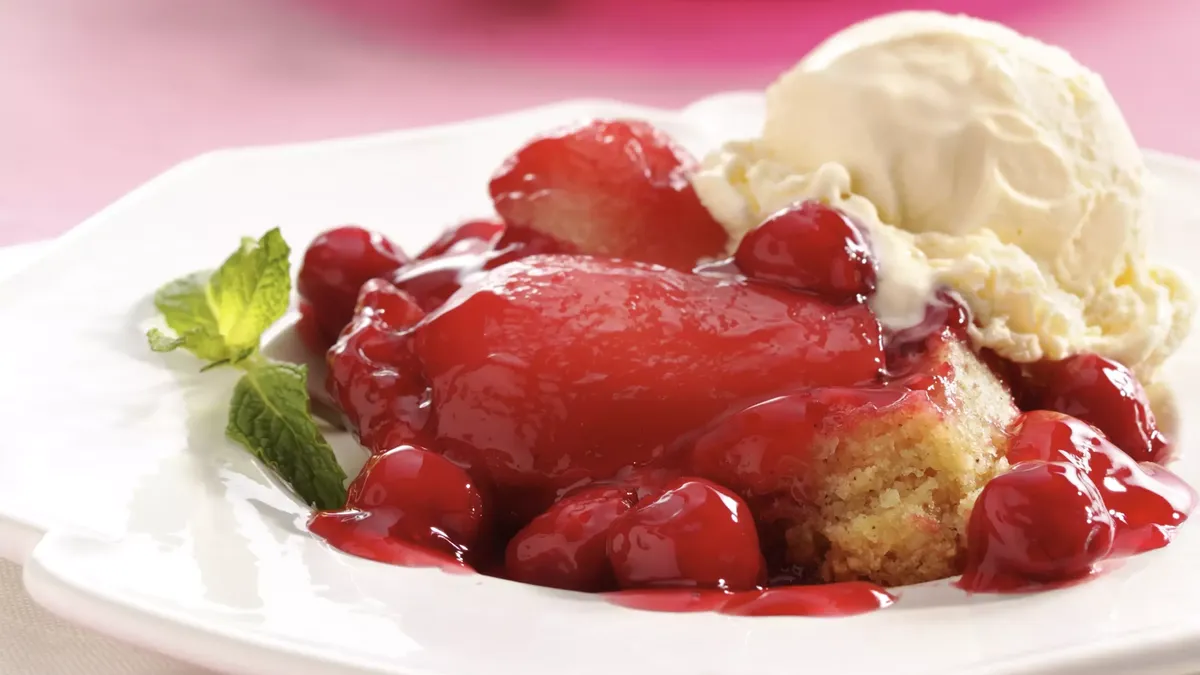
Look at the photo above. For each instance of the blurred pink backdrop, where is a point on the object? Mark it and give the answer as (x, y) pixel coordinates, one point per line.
(96, 96)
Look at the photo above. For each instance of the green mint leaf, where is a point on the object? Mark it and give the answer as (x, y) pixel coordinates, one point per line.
(221, 316)
(161, 342)
(185, 306)
(270, 415)
(250, 291)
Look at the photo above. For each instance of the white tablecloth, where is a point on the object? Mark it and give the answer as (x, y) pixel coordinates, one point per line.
(34, 641)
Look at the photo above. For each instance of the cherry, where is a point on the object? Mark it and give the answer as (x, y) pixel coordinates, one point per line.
(1103, 393)
(472, 236)
(521, 242)
(1054, 437)
(643, 481)
(1147, 502)
(336, 265)
(432, 281)
(368, 534)
(374, 375)
(811, 247)
(387, 306)
(1040, 523)
(696, 534)
(424, 490)
(565, 546)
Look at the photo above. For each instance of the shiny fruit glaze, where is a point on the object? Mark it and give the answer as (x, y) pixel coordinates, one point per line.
(561, 369)
(1102, 393)
(695, 534)
(945, 314)
(618, 427)
(368, 534)
(565, 547)
(1071, 500)
(829, 600)
(432, 280)
(1147, 502)
(1042, 522)
(809, 247)
(765, 448)
(425, 492)
(336, 264)
(473, 236)
(408, 506)
(614, 188)
(374, 376)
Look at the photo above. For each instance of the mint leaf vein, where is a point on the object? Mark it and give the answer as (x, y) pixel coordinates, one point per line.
(270, 416)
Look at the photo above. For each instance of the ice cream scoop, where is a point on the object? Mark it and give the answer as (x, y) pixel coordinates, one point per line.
(992, 163)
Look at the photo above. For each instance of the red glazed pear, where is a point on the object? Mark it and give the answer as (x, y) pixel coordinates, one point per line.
(612, 188)
(558, 369)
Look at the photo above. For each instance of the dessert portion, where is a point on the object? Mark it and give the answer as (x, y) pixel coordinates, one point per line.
(777, 404)
(627, 425)
(873, 482)
(557, 370)
(979, 159)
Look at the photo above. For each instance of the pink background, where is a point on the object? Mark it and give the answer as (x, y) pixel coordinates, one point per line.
(96, 96)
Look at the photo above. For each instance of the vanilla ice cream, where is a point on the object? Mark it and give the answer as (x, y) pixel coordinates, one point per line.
(976, 158)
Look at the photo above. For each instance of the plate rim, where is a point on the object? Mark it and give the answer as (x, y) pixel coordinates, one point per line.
(20, 540)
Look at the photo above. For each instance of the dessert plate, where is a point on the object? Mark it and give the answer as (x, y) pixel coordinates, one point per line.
(135, 516)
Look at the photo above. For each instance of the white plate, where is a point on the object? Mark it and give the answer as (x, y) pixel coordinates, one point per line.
(136, 517)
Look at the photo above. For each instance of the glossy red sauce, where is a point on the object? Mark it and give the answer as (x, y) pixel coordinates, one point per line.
(593, 424)
(558, 370)
(567, 546)
(809, 247)
(367, 534)
(764, 448)
(828, 600)
(1102, 393)
(1071, 500)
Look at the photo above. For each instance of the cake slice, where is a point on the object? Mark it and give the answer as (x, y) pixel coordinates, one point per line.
(871, 483)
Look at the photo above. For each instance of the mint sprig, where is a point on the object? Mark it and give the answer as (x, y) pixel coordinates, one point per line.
(269, 414)
(220, 317)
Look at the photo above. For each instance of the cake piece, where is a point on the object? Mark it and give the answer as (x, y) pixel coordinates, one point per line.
(871, 483)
